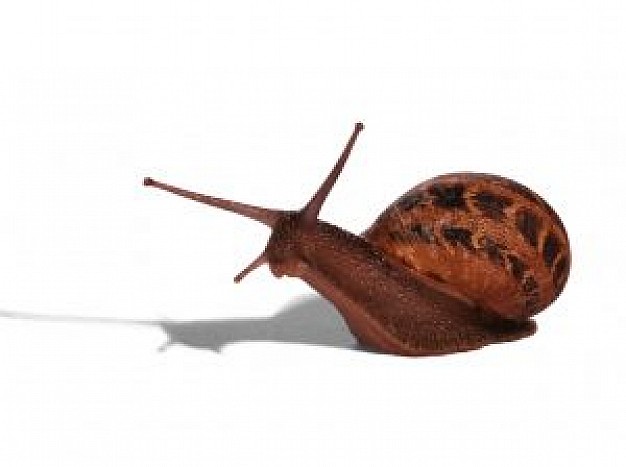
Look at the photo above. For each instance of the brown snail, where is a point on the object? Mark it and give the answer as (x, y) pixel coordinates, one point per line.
(458, 262)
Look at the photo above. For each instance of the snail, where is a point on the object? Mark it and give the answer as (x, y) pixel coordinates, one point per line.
(458, 262)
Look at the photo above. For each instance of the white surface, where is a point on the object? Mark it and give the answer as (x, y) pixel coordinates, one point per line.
(254, 100)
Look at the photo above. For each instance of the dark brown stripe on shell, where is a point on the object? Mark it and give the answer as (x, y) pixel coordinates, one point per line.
(448, 196)
(528, 224)
(494, 251)
(491, 205)
(423, 232)
(551, 249)
(458, 236)
(518, 267)
(417, 232)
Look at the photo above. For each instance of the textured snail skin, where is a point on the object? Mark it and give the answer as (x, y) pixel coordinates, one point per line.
(386, 306)
(458, 262)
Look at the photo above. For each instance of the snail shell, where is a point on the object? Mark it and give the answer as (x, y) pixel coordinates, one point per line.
(486, 237)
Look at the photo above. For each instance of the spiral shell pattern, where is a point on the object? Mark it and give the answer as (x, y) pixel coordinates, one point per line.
(488, 237)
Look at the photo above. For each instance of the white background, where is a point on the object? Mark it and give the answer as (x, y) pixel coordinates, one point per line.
(254, 100)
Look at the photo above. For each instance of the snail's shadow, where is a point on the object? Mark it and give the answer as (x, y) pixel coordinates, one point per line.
(309, 320)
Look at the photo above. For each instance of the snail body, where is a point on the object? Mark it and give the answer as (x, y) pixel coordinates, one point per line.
(458, 262)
